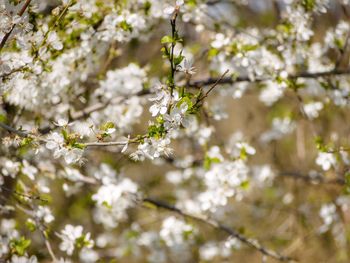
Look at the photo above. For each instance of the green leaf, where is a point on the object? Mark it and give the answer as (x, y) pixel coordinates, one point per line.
(105, 204)
(30, 224)
(65, 134)
(212, 53)
(132, 234)
(79, 145)
(20, 245)
(157, 130)
(107, 125)
(243, 154)
(209, 161)
(167, 39)
(186, 100)
(245, 185)
(308, 4)
(347, 183)
(26, 141)
(178, 60)
(125, 26)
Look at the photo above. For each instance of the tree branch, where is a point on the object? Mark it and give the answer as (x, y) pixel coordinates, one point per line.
(20, 13)
(215, 224)
(229, 80)
(317, 179)
(102, 105)
(90, 144)
(199, 98)
(13, 130)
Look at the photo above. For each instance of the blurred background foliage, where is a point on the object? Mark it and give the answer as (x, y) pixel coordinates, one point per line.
(284, 215)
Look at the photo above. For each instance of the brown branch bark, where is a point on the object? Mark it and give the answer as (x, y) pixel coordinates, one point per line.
(20, 13)
(215, 224)
(318, 179)
(230, 80)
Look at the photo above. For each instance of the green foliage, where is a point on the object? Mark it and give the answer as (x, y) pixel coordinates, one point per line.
(285, 28)
(308, 4)
(192, 3)
(212, 53)
(82, 241)
(187, 234)
(320, 145)
(245, 185)
(125, 26)
(15, 2)
(167, 39)
(157, 130)
(105, 204)
(105, 130)
(243, 154)
(293, 84)
(26, 142)
(71, 139)
(347, 183)
(186, 98)
(30, 224)
(19, 246)
(208, 161)
(238, 48)
(178, 59)
(107, 125)
(147, 7)
(131, 234)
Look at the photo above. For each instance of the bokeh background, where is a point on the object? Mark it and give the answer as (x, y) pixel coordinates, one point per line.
(284, 214)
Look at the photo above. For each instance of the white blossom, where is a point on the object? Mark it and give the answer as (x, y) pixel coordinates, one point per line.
(113, 200)
(328, 213)
(312, 109)
(326, 160)
(124, 81)
(70, 235)
(23, 259)
(45, 214)
(173, 231)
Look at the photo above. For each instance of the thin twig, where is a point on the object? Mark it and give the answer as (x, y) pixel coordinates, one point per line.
(317, 179)
(41, 227)
(20, 13)
(129, 141)
(102, 105)
(215, 224)
(49, 249)
(91, 144)
(21, 133)
(215, 84)
(199, 98)
(199, 84)
(173, 43)
(13, 130)
(55, 24)
(307, 75)
(32, 197)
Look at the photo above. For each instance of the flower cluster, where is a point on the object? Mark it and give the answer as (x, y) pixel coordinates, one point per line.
(113, 200)
(112, 109)
(72, 237)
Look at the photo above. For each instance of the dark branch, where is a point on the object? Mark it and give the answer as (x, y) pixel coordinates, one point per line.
(13, 130)
(248, 241)
(230, 80)
(20, 13)
(317, 179)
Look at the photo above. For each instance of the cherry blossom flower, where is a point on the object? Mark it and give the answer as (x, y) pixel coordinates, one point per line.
(187, 68)
(326, 160)
(70, 235)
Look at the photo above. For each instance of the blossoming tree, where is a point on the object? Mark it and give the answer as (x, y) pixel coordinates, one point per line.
(174, 131)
